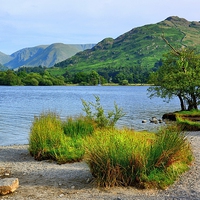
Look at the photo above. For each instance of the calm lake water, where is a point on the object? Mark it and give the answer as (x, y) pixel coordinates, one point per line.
(19, 105)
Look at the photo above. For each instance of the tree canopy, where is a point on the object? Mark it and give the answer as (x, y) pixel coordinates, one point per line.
(179, 76)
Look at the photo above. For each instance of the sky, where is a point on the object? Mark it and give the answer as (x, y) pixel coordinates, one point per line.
(29, 23)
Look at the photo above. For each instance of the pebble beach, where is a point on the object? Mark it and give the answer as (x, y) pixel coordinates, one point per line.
(48, 180)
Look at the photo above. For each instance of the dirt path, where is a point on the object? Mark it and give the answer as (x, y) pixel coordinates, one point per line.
(47, 180)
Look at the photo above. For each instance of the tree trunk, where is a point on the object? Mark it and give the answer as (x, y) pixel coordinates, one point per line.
(183, 107)
(194, 101)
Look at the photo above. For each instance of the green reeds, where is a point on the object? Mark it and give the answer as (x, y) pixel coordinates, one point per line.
(80, 126)
(116, 157)
(46, 136)
(169, 156)
(50, 138)
(128, 158)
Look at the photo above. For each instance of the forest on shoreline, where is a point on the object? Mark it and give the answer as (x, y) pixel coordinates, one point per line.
(42, 76)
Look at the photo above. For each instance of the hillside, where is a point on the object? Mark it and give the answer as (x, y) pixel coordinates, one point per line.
(44, 55)
(4, 58)
(141, 46)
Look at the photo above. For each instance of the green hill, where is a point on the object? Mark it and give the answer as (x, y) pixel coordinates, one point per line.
(44, 55)
(141, 46)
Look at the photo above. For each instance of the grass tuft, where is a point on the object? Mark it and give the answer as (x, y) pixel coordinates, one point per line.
(50, 138)
(129, 158)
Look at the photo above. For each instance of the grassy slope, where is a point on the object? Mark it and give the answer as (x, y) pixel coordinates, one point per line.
(140, 46)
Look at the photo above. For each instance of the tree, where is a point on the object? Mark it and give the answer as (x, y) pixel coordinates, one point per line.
(93, 78)
(11, 78)
(179, 76)
(80, 77)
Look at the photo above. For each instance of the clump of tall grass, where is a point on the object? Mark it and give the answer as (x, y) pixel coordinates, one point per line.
(169, 156)
(51, 138)
(116, 157)
(80, 126)
(129, 158)
(63, 141)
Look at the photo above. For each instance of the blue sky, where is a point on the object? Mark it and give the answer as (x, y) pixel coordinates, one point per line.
(28, 23)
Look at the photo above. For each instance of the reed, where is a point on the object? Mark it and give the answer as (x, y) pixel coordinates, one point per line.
(129, 158)
(169, 156)
(50, 138)
(80, 126)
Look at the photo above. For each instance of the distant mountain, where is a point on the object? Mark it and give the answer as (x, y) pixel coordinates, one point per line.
(141, 46)
(3, 68)
(44, 55)
(4, 58)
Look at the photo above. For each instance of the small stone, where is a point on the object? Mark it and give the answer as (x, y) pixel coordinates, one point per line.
(72, 187)
(61, 195)
(8, 185)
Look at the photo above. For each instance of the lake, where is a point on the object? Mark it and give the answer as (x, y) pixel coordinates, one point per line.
(19, 105)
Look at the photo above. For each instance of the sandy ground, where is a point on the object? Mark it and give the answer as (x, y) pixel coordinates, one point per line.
(48, 180)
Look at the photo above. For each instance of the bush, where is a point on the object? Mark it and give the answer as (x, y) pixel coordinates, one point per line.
(48, 140)
(95, 112)
(129, 158)
(169, 156)
(115, 156)
(78, 127)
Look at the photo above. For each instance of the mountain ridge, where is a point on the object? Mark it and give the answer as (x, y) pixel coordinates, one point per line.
(140, 46)
(44, 55)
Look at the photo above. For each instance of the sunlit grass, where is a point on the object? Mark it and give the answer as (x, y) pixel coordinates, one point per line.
(50, 138)
(129, 158)
(186, 119)
(116, 157)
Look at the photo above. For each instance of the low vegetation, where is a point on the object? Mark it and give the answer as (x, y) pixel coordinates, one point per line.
(116, 157)
(96, 113)
(63, 141)
(189, 120)
(129, 158)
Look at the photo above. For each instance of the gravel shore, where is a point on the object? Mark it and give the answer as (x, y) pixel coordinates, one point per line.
(48, 180)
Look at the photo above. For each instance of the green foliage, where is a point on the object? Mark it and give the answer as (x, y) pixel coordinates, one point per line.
(96, 112)
(188, 120)
(142, 46)
(115, 157)
(49, 140)
(34, 76)
(46, 136)
(179, 77)
(9, 78)
(129, 158)
(78, 127)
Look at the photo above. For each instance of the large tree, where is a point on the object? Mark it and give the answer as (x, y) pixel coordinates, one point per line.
(179, 76)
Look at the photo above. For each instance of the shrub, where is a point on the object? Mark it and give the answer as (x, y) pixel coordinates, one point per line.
(129, 158)
(78, 127)
(96, 112)
(115, 156)
(48, 141)
(169, 156)
(46, 136)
